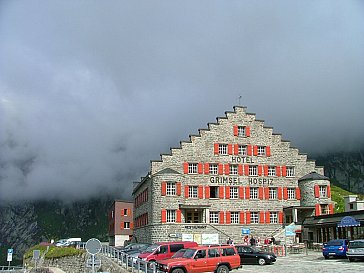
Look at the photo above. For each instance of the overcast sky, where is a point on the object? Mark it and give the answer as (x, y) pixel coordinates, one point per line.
(91, 91)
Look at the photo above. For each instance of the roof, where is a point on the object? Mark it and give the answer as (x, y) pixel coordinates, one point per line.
(313, 176)
(333, 219)
(167, 171)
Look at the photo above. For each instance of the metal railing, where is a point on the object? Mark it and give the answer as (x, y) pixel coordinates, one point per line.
(11, 268)
(132, 264)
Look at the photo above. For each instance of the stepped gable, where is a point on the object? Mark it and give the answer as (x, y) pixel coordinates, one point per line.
(313, 176)
(167, 171)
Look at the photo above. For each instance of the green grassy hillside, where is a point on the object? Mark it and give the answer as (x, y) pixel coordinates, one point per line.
(337, 195)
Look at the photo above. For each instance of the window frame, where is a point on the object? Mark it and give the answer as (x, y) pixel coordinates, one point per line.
(254, 217)
(171, 188)
(192, 191)
(214, 217)
(235, 217)
(171, 216)
(291, 193)
(253, 193)
(253, 170)
(192, 168)
(234, 192)
(223, 149)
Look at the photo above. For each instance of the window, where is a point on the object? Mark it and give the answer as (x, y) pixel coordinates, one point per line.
(234, 192)
(171, 216)
(214, 217)
(171, 188)
(253, 170)
(213, 169)
(223, 149)
(290, 171)
(325, 209)
(272, 193)
(228, 252)
(241, 131)
(163, 249)
(271, 171)
(291, 192)
(351, 206)
(235, 217)
(192, 167)
(254, 217)
(125, 212)
(192, 191)
(127, 225)
(273, 217)
(261, 150)
(200, 254)
(242, 150)
(214, 192)
(176, 247)
(234, 169)
(213, 252)
(253, 193)
(323, 191)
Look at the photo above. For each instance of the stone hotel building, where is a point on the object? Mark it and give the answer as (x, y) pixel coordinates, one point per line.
(235, 176)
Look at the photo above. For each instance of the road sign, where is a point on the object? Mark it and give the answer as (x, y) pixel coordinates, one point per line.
(245, 231)
(93, 262)
(10, 255)
(36, 254)
(93, 246)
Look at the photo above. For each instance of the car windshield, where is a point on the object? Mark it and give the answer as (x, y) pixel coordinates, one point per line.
(179, 253)
(152, 248)
(357, 244)
(335, 243)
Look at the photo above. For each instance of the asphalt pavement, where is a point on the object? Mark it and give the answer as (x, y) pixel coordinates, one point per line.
(311, 262)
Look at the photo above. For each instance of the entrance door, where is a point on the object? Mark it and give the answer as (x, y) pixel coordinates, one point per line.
(193, 216)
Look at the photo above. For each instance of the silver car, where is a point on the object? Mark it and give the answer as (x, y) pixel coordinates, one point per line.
(355, 250)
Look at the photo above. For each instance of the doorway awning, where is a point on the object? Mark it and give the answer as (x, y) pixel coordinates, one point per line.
(348, 221)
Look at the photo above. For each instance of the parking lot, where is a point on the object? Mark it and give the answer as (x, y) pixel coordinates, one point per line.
(312, 262)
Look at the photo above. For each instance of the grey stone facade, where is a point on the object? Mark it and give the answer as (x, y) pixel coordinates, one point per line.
(201, 150)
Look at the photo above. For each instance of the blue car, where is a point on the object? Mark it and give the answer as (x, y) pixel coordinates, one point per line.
(335, 248)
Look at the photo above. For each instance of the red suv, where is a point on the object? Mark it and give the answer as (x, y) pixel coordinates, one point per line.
(219, 259)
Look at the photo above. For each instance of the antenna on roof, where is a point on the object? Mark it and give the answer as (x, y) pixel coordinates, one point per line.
(239, 100)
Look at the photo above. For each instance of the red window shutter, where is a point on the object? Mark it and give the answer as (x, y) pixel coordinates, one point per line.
(222, 217)
(241, 192)
(216, 148)
(131, 225)
(285, 193)
(317, 191)
(298, 193)
(221, 169)
(164, 188)
(227, 192)
(250, 150)
(240, 169)
(242, 217)
(261, 217)
(279, 193)
(227, 169)
(331, 209)
(178, 190)
(318, 210)
(260, 193)
(246, 170)
(284, 171)
(185, 167)
(265, 170)
(236, 149)
(278, 171)
(247, 131)
(260, 170)
(328, 191)
(230, 149)
(267, 217)
(207, 192)
(255, 150)
(200, 191)
(207, 168)
(280, 217)
(228, 217)
(235, 130)
(247, 192)
(164, 215)
(199, 168)
(221, 192)
(122, 225)
(128, 212)
(186, 191)
(267, 150)
(267, 193)
(247, 214)
(178, 218)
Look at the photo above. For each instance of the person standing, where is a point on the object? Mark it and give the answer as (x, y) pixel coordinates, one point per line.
(230, 241)
(253, 242)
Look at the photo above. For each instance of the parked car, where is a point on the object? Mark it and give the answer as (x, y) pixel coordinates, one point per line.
(164, 250)
(219, 259)
(131, 247)
(355, 250)
(335, 248)
(253, 255)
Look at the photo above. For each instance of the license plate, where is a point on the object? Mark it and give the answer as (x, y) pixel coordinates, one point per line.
(332, 253)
